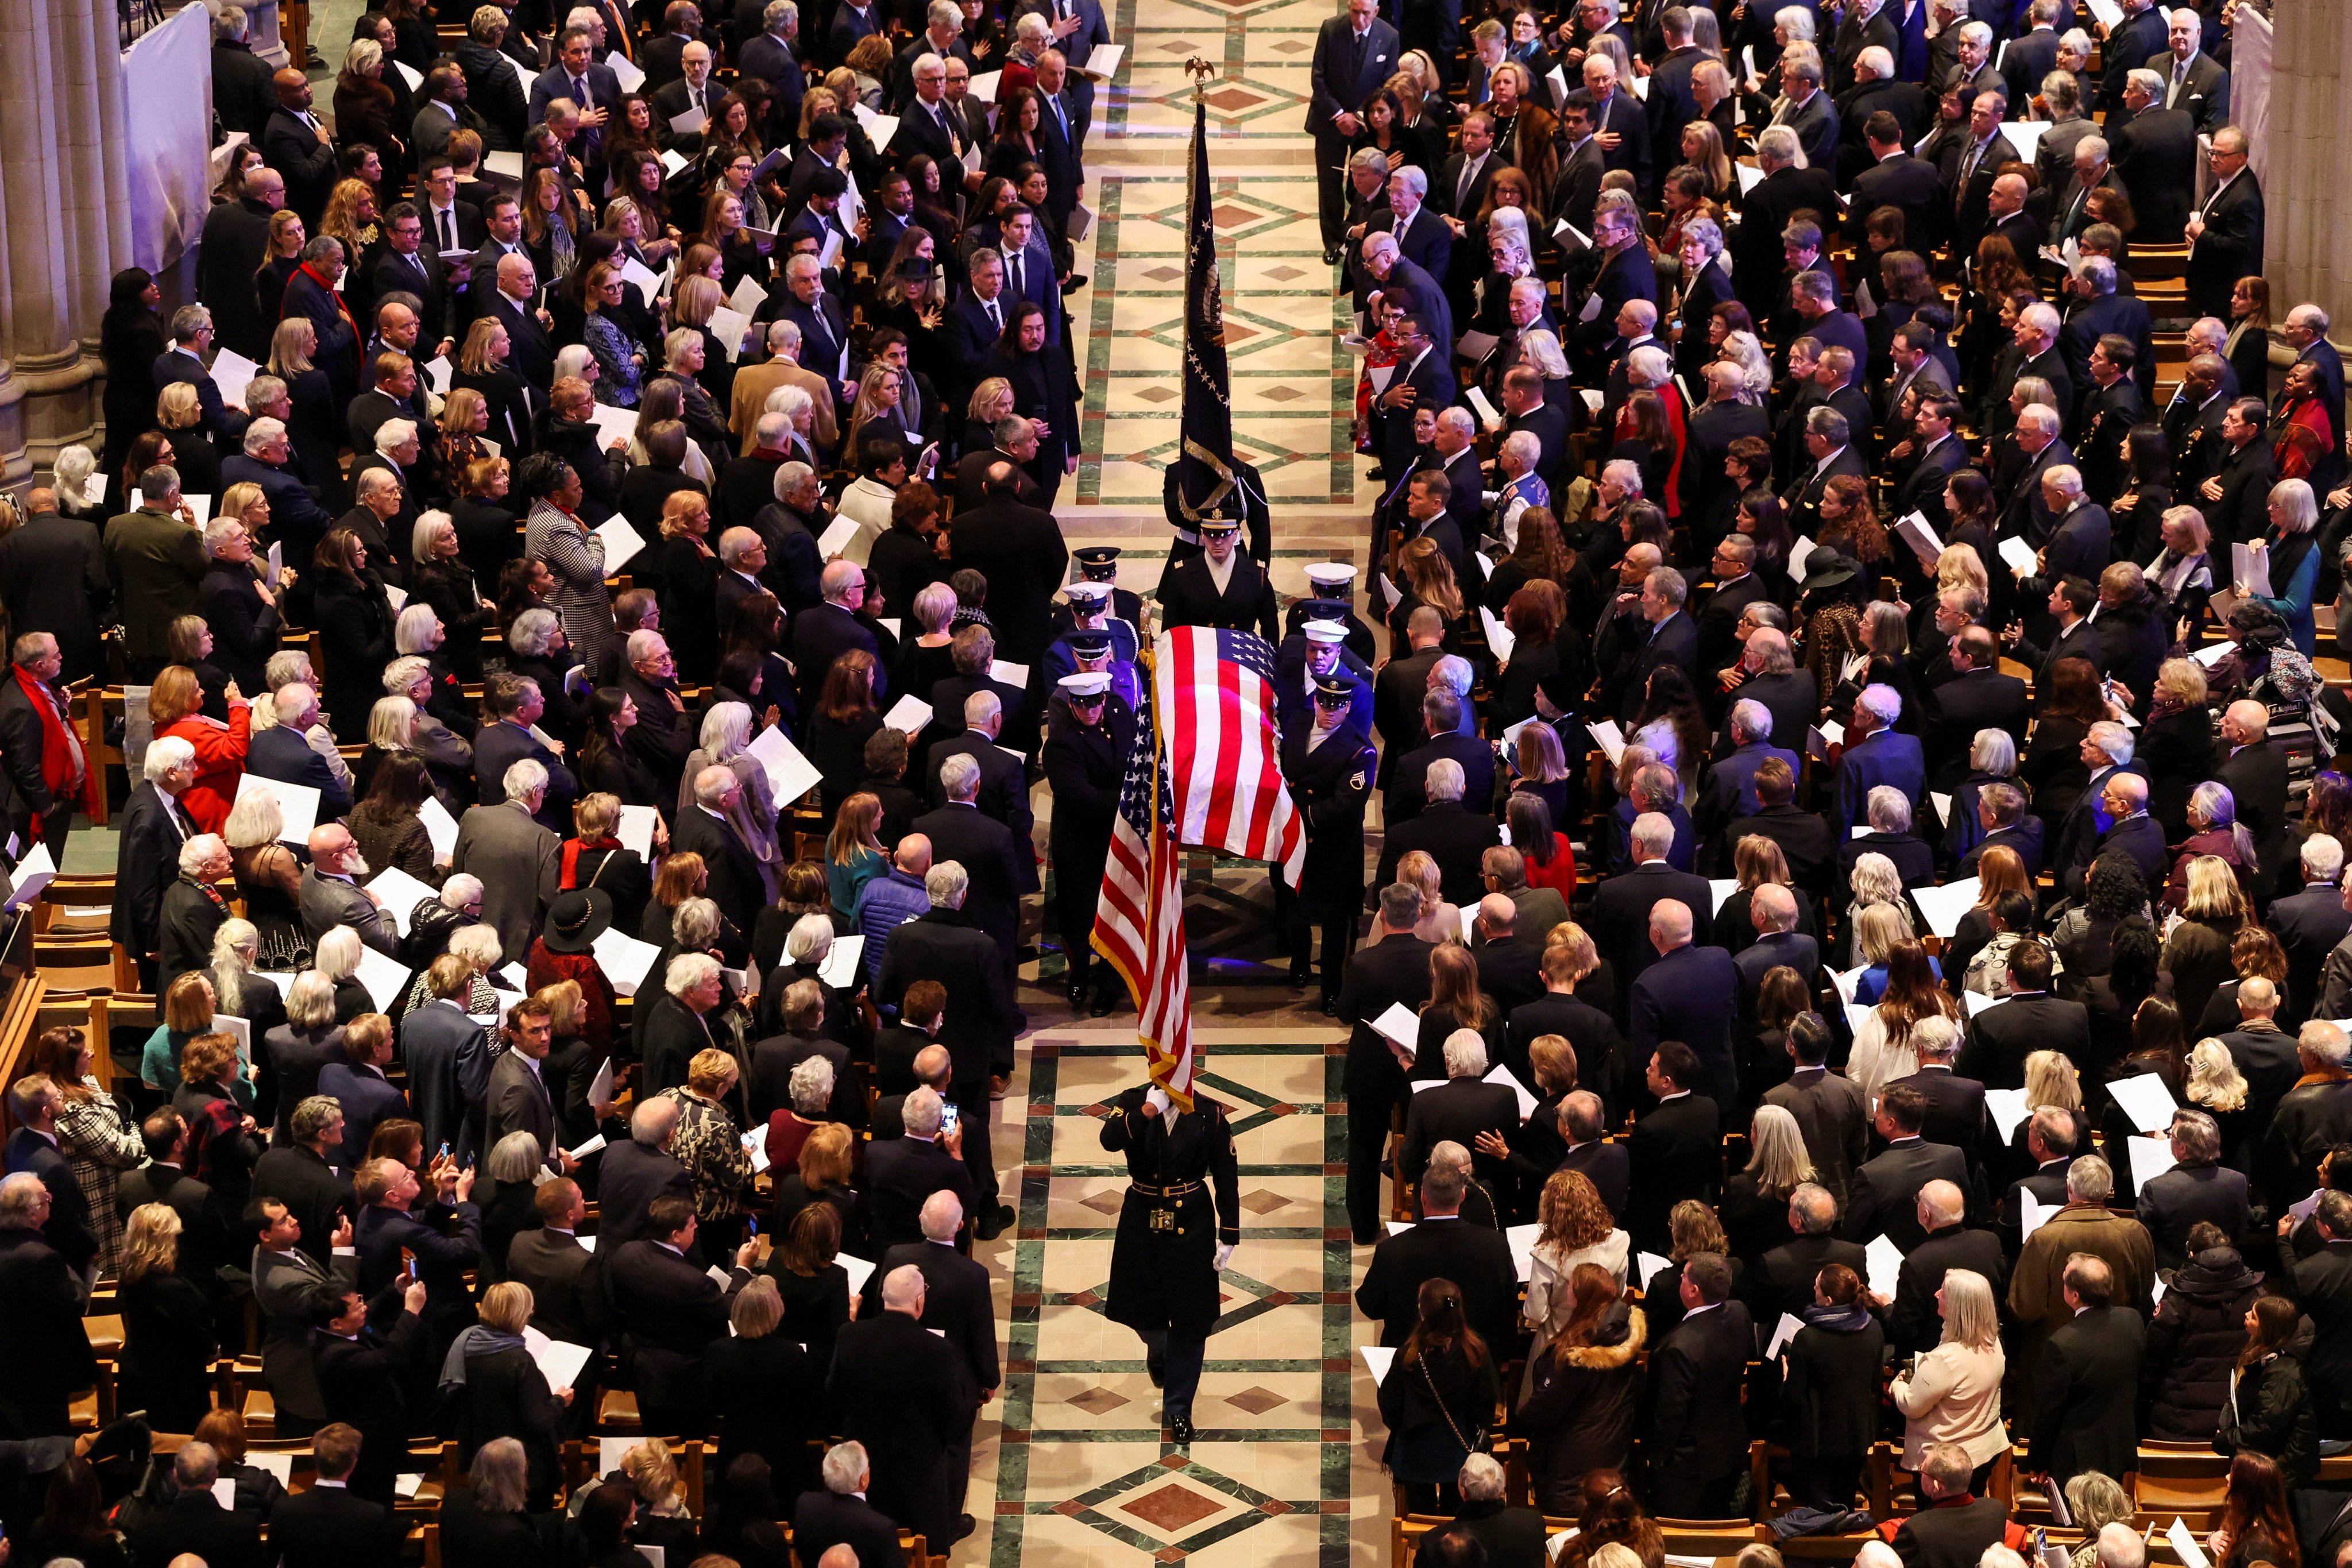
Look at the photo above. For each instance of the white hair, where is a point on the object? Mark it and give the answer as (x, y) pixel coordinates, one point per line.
(168, 754)
(1465, 1054)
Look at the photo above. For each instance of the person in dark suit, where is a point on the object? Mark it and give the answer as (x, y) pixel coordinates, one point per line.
(666, 1310)
(736, 883)
(1390, 970)
(840, 1515)
(1458, 1110)
(903, 1173)
(1697, 1439)
(955, 1289)
(1955, 1113)
(2255, 772)
(2155, 150)
(2310, 925)
(1621, 908)
(1912, 1324)
(1977, 697)
(2088, 1381)
(300, 1174)
(1831, 1115)
(1876, 755)
(1690, 993)
(282, 753)
(904, 1398)
(331, 1526)
(363, 1372)
(1353, 55)
(565, 1278)
(1673, 1151)
(1883, 1197)
(2225, 231)
(2198, 1188)
(1441, 1247)
(53, 580)
(33, 1148)
(1757, 262)
(194, 1523)
(40, 1311)
(1447, 830)
(1424, 378)
(1784, 1278)
(637, 1173)
(2000, 1039)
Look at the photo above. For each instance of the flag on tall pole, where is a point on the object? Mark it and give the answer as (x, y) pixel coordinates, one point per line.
(1140, 917)
(1204, 470)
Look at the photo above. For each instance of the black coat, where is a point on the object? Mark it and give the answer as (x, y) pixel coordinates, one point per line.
(506, 1396)
(822, 1519)
(1829, 1400)
(2085, 1388)
(1697, 1425)
(1883, 1197)
(2193, 1341)
(1578, 1410)
(1951, 1534)
(196, 1522)
(1159, 1280)
(901, 1390)
(332, 1526)
(1475, 1258)
(668, 1313)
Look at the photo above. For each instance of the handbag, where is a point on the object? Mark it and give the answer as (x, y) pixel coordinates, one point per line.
(1428, 1455)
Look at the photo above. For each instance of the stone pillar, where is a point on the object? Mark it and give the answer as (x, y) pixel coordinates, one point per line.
(2308, 226)
(61, 225)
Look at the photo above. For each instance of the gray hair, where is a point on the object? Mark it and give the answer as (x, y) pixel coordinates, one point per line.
(1889, 809)
(844, 1463)
(1443, 780)
(1883, 703)
(168, 754)
(811, 1085)
(1465, 1054)
(524, 779)
(945, 884)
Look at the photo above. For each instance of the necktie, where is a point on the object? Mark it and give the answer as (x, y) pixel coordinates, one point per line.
(994, 319)
(1013, 271)
(448, 235)
(2179, 81)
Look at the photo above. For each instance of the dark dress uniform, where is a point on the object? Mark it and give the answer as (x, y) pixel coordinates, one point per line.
(1244, 503)
(1330, 782)
(1295, 678)
(1099, 563)
(1085, 754)
(1189, 597)
(1323, 607)
(1164, 1264)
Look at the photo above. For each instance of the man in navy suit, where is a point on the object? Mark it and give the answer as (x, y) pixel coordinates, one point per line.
(514, 705)
(1058, 135)
(1621, 915)
(800, 298)
(1420, 235)
(34, 1147)
(1731, 782)
(1029, 269)
(1423, 380)
(1895, 179)
(192, 335)
(1772, 909)
(772, 57)
(820, 634)
(576, 76)
(1876, 755)
(530, 352)
(283, 752)
(1354, 54)
(2123, 800)
(1690, 993)
(1618, 121)
(975, 318)
(1672, 636)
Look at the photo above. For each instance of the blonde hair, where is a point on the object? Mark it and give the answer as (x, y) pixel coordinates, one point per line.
(2051, 1080)
(2214, 1080)
(653, 1472)
(1876, 930)
(151, 1243)
(1779, 1163)
(2213, 891)
(758, 1307)
(508, 1306)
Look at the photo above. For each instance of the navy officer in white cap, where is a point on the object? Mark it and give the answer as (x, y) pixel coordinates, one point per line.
(1086, 755)
(1323, 656)
(1329, 598)
(1328, 763)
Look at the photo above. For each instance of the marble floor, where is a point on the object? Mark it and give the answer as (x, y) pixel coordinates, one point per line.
(1070, 1466)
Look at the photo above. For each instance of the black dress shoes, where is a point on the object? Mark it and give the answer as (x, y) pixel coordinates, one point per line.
(1181, 1430)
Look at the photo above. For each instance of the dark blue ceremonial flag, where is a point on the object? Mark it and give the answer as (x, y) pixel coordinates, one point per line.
(1204, 471)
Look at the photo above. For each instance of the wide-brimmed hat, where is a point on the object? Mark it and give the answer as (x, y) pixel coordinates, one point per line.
(1827, 569)
(577, 919)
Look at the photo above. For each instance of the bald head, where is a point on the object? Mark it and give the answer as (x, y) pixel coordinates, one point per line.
(1670, 924)
(1772, 909)
(1940, 1205)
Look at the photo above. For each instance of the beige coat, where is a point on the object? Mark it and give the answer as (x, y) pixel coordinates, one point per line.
(1954, 1398)
(749, 400)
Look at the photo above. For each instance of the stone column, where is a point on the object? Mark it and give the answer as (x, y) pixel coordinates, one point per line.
(62, 226)
(2308, 227)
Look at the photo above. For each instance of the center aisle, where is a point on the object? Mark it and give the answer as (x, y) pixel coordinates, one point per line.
(1070, 1465)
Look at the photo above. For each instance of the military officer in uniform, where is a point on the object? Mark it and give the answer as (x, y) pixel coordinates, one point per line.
(1086, 755)
(1329, 765)
(1219, 587)
(1330, 599)
(1099, 563)
(1092, 653)
(1089, 612)
(1319, 649)
(1243, 501)
(1176, 1230)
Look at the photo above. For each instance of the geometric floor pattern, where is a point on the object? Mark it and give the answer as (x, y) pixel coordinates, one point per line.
(1068, 1467)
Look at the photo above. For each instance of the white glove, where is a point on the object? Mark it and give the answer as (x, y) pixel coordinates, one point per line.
(1225, 1254)
(1157, 1101)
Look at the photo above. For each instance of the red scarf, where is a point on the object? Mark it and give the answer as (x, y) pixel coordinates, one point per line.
(61, 749)
(327, 286)
(572, 848)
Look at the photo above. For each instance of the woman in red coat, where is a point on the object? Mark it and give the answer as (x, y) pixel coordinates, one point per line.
(175, 705)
